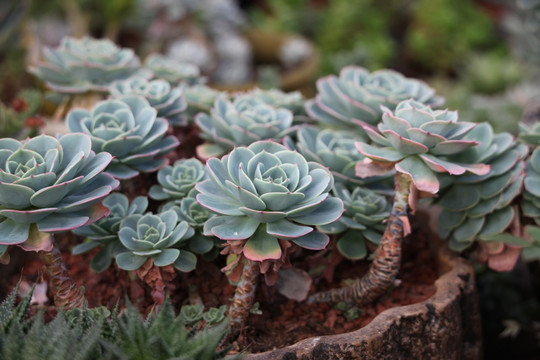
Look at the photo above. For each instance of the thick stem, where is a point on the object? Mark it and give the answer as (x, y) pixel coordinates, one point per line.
(244, 295)
(385, 267)
(67, 293)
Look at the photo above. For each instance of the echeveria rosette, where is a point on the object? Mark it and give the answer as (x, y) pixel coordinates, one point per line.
(159, 237)
(129, 129)
(200, 98)
(86, 64)
(531, 196)
(292, 101)
(334, 149)
(169, 102)
(365, 211)
(479, 207)
(240, 122)
(176, 181)
(173, 71)
(263, 193)
(419, 140)
(49, 185)
(104, 233)
(358, 94)
(196, 215)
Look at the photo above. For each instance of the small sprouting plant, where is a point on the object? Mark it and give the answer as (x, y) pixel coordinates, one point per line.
(128, 129)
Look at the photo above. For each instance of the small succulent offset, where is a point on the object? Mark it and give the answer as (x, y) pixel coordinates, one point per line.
(239, 123)
(86, 64)
(263, 193)
(104, 233)
(159, 237)
(200, 98)
(266, 197)
(418, 141)
(362, 220)
(49, 185)
(175, 72)
(358, 94)
(169, 102)
(128, 129)
(331, 148)
(176, 181)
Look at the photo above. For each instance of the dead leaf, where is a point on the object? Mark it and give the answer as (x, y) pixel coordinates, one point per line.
(368, 168)
(294, 283)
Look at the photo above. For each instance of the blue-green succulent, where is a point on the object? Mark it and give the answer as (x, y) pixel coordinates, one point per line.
(49, 185)
(169, 102)
(128, 129)
(365, 211)
(264, 194)
(176, 181)
(241, 122)
(175, 72)
(86, 64)
(200, 98)
(104, 233)
(159, 237)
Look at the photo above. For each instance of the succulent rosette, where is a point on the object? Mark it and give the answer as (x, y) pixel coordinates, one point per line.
(159, 237)
(128, 129)
(265, 194)
(86, 64)
(334, 149)
(200, 98)
(173, 71)
(176, 181)
(292, 101)
(358, 94)
(365, 211)
(419, 140)
(49, 185)
(104, 233)
(169, 102)
(478, 207)
(239, 123)
(530, 134)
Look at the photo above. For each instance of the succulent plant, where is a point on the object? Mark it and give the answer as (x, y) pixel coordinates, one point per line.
(129, 129)
(104, 233)
(169, 102)
(362, 220)
(334, 149)
(86, 64)
(176, 181)
(530, 134)
(240, 123)
(531, 195)
(478, 207)
(159, 237)
(175, 72)
(200, 98)
(358, 94)
(419, 140)
(266, 198)
(49, 185)
(263, 193)
(292, 101)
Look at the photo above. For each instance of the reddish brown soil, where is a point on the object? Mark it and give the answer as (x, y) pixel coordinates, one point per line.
(283, 322)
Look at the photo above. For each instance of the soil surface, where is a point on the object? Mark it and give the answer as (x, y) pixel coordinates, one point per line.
(282, 321)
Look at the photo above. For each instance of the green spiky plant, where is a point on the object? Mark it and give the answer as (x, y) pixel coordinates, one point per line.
(49, 185)
(267, 198)
(417, 141)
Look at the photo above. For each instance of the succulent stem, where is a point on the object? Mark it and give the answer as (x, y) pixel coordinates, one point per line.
(67, 293)
(385, 267)
(244, 295)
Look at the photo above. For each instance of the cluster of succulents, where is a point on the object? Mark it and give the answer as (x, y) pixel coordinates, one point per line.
(128, 129)
(358, 94)
(169, 102)
(175, 72)
(86, 64)
(199, 98)
(240, 122)
(49, 185)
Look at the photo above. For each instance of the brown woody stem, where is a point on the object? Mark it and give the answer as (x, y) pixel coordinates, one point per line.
(383, 270)
(244, 295)
(67, 293)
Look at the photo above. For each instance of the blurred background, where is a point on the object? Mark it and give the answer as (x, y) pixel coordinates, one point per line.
(482, 56)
